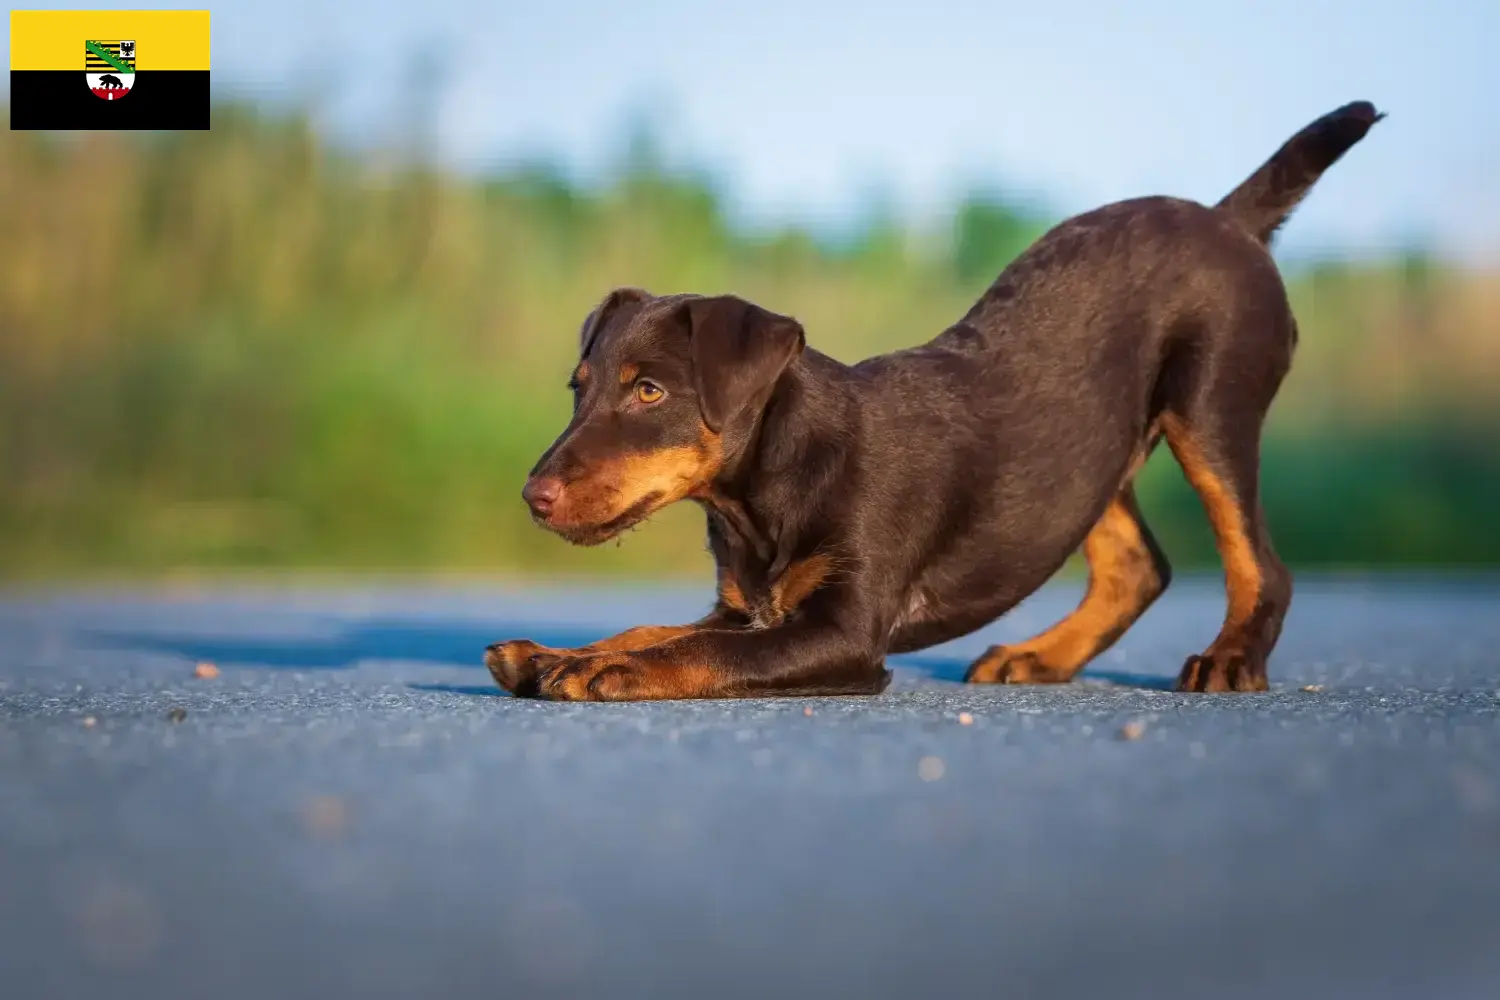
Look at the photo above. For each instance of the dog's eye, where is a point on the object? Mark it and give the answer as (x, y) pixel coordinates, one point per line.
(648, 392)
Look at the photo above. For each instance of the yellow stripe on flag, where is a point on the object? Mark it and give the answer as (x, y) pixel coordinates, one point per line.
(164, 39)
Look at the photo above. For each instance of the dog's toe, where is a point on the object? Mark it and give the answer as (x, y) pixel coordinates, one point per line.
(517, 664)
(1000, 665)
(1215, 672)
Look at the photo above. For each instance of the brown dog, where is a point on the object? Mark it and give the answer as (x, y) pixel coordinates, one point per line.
(916, 496)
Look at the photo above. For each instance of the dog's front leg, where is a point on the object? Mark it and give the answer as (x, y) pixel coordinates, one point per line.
(797, 658)
(517, 663)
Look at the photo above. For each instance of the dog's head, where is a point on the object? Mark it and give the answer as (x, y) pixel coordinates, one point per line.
(663, 388)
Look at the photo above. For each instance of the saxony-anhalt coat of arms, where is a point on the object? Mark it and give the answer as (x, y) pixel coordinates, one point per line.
(110, 68)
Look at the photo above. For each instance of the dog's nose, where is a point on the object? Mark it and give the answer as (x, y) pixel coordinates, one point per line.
(541, 493)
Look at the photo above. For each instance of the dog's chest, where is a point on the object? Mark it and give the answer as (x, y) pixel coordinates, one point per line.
(760, 605)
(771, 602)
(916, 609)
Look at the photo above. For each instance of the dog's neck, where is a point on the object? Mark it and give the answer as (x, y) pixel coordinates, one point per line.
(809, 423)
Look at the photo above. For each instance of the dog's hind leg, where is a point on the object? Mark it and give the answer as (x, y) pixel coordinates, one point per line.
(1127, 572)
(1221, 459)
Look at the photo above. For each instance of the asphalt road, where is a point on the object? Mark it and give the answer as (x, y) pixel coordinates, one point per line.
(350, 809)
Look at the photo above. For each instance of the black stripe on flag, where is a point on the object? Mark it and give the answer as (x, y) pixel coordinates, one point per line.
(61, 99)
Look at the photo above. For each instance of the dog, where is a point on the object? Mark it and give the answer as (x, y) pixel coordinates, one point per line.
(884, 507)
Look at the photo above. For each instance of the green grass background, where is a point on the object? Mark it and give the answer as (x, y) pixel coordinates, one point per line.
(248, 350)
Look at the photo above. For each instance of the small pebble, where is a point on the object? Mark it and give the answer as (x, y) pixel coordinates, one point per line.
(931, 768)
(807, 710)
(206, 671)
(89, 722)
(177, 714)
(1132, 730)
(1312, 688)
(965, 719)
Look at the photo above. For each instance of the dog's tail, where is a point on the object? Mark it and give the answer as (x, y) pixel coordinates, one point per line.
(1269, 195)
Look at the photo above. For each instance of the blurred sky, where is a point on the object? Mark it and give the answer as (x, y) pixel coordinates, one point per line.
(812, 109)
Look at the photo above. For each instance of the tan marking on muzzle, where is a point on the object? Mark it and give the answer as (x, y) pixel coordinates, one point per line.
(668, 474)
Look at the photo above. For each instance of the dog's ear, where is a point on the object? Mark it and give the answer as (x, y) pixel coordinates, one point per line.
(739, 350)
(603, 311)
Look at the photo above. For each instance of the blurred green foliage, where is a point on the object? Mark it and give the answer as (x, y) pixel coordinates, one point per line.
(247, 349)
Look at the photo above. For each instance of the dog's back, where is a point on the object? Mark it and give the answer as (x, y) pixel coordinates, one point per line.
(1104, 316)
(1029, 415)
(1108, 261)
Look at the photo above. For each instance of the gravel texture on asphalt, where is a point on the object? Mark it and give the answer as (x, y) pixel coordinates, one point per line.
(343, 805)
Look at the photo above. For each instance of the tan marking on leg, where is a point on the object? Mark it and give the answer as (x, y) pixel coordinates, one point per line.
(636, 638)
(642, 679)
(1119, 571)
(1242, 573)
(1255, 583)
(1124, 579)
(637, 676)
(512, 664)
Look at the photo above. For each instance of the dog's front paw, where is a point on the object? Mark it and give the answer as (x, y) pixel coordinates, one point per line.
(518, 665)
(589, 677)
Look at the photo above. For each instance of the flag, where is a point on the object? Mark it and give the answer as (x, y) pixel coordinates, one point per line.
(109, 69)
